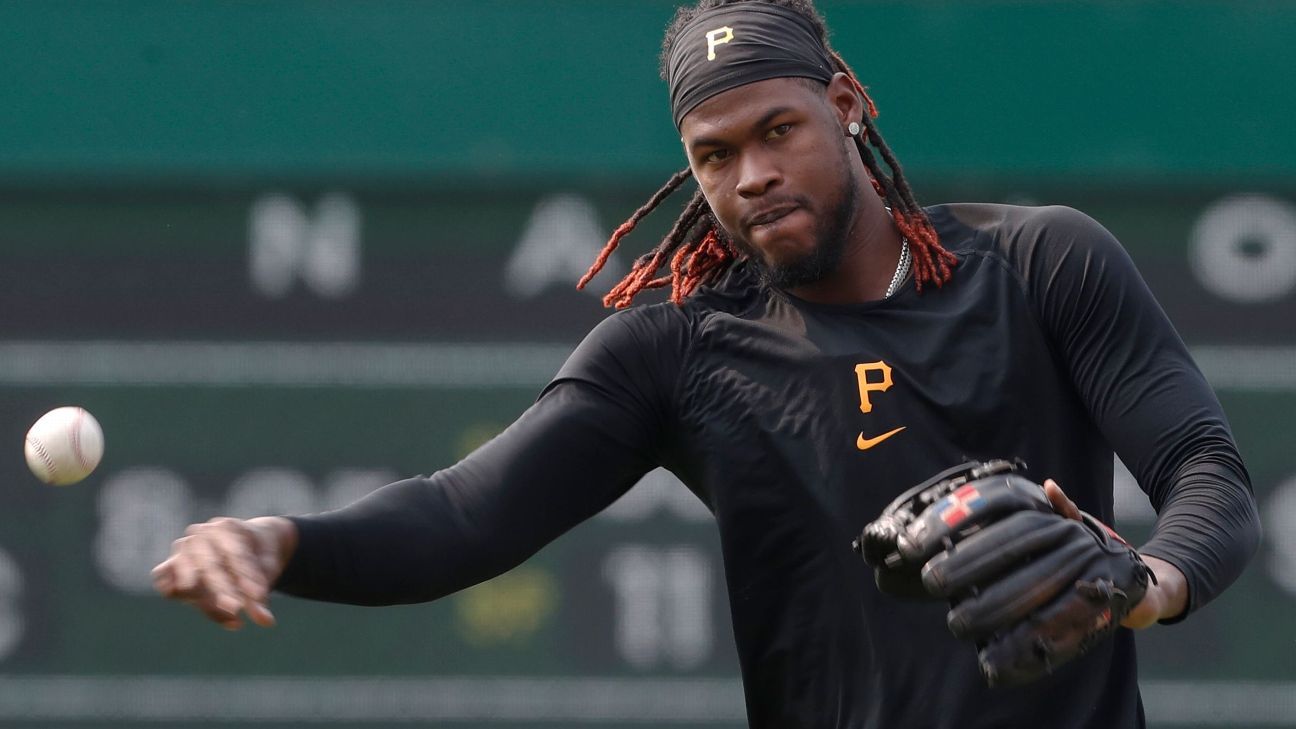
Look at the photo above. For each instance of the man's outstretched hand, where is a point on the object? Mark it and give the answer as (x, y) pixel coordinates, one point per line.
(225, 567)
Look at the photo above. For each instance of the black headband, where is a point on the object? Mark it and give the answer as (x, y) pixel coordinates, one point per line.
(733, 45)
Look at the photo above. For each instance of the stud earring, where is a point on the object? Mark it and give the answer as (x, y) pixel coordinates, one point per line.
(853, 129)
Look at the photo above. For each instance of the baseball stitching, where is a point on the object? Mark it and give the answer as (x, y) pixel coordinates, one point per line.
(76, 439)
(39, 450)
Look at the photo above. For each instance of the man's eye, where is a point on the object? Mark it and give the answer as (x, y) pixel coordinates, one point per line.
(779, 131)
(718, 155)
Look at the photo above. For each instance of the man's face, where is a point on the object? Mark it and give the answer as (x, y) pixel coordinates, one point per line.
(771, 159)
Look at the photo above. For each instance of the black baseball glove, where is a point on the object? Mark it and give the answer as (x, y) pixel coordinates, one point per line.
(1030, 587)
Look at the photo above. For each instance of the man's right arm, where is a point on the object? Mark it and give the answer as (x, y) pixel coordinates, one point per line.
(569, 456)
(594, 431)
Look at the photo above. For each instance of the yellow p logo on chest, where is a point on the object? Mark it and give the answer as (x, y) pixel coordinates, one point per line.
(717, 37)
(866, 386)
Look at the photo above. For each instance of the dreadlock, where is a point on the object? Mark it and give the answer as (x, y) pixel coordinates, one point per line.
(697, 249)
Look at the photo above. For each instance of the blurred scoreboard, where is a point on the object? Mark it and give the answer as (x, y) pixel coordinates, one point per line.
(273, 351)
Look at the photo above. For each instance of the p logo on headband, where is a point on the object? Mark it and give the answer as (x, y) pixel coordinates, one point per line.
(717, 37)
(771, 41)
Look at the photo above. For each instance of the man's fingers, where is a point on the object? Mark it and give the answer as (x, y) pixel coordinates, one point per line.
(164, 577)
(220, 597)
(242, 563)
(217, 567)
(251, 579)
(225, 618)
(1061, 503)
(184, 575)
(258, 613)
(217, 583)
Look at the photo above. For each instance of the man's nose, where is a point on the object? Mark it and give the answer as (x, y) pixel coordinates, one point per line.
(757, 173)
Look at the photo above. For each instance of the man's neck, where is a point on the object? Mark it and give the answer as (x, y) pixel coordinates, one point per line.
(868, 262)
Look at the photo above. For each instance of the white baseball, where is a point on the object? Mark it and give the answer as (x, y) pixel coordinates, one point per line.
(64, 446)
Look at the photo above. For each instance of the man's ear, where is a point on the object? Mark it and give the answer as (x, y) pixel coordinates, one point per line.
(844, 100)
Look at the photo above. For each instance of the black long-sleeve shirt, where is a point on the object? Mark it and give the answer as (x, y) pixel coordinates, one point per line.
(1046, 345)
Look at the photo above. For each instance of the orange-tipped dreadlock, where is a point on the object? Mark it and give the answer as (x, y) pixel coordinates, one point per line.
(931, 262)
(695, 249)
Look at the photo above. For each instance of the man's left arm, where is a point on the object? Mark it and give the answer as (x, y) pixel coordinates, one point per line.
(1154, 407)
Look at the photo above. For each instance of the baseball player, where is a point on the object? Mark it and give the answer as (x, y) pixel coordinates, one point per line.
(829, 343)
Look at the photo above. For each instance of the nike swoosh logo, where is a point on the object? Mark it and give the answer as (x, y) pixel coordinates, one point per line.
(867, 443)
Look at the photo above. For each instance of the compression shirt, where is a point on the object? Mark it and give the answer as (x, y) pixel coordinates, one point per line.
(796, 423)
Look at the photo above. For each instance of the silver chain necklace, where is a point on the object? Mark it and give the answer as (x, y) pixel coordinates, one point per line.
(902, 269)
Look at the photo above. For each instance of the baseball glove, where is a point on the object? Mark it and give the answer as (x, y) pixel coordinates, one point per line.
(1030, 588)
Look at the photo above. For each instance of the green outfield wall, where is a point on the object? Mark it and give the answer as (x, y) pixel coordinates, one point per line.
(495, 89)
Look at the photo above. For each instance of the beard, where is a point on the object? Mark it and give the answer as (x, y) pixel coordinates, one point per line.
(831, 232)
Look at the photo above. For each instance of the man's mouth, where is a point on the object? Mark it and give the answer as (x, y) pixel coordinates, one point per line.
(766, 217)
